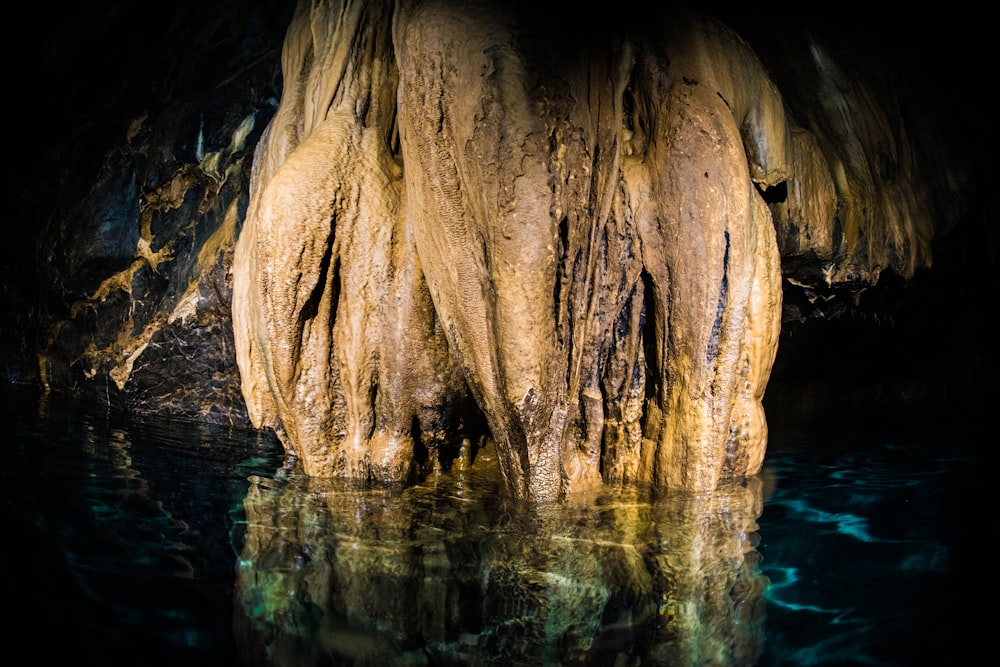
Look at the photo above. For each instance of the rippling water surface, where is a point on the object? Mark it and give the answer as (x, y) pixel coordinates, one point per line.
(155, 542)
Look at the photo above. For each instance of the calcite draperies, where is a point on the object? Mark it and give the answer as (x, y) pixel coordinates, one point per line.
(459, 203)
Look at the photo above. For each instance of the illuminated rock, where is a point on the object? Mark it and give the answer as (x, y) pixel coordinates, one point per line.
(567, 238)
(570, 226)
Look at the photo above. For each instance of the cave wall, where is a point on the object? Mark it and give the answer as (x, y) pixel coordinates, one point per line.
(118, 283)
(118, 273)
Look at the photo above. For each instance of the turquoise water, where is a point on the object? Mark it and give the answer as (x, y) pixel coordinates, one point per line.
(871, 550)
(164, 542)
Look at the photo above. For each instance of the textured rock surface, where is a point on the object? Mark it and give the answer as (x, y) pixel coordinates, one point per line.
(583, 215)
(587, 213)
(132, 298)
(569, 235)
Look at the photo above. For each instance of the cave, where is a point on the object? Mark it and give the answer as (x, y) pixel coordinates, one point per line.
(577, 253)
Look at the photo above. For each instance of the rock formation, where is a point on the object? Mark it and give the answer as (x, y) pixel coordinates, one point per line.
(134, 208)
(578, 235)
(570, 227)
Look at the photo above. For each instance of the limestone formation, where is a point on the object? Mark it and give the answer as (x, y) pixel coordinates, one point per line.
(576, 235)
(566, 227)
(858, 172)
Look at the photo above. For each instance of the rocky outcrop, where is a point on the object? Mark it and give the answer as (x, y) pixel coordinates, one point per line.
(580, 228)
(577, 235)
(131, 289)
(569, 227)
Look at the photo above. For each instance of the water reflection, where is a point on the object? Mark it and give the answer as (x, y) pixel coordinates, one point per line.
(117, 531)
(443, 573)
(125, 536)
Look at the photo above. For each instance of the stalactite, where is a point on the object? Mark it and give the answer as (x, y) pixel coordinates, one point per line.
(571, 233)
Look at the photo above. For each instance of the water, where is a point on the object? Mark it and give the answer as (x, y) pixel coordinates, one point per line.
(153, 542)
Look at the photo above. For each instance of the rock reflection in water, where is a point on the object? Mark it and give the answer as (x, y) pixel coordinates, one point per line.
(444, 573)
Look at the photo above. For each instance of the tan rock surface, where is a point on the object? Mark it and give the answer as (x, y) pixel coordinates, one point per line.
(567, 226)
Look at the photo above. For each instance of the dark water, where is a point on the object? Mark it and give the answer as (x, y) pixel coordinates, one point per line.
(153, 542)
